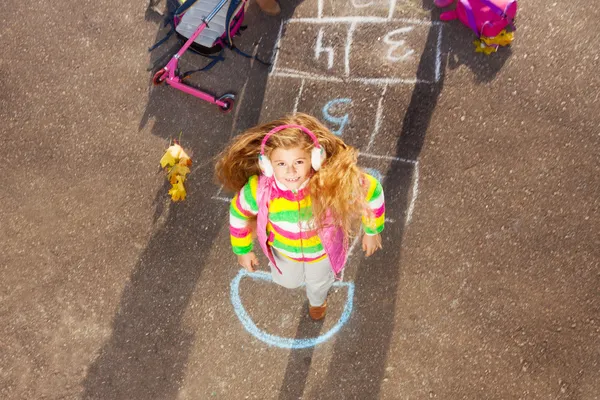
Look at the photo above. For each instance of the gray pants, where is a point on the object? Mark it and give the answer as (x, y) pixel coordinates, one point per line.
(318, 276)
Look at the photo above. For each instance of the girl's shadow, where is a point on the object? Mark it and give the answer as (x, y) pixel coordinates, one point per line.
(146, 355)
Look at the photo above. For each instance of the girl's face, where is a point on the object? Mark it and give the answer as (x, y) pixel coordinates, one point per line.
(291, 166)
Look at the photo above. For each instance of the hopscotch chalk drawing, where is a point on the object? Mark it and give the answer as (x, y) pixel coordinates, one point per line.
(379, 51)
(278, 341)
(362, 49)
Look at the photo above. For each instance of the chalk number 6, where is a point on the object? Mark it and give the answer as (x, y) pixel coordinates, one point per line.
(335, 120)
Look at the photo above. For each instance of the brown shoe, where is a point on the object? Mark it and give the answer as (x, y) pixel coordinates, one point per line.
(269, 7)
(317, 312)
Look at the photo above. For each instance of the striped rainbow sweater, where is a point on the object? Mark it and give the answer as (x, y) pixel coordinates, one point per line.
(290, 228)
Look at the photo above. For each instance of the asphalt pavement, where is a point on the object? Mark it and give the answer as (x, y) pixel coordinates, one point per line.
(488, 283)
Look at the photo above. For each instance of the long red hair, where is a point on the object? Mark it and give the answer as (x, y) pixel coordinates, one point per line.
(337, 190)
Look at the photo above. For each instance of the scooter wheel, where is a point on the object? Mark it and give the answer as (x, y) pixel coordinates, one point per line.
(228, 106)
(159, 77)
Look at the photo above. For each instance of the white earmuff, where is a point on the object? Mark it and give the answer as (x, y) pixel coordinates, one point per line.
(265, 166)
(317, 156)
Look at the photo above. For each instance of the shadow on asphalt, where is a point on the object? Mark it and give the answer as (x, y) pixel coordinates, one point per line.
(146, 355)
(299, 361)
(358, 365)
(461, 51)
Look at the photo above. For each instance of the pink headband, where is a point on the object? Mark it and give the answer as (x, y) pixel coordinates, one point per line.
(282, 127)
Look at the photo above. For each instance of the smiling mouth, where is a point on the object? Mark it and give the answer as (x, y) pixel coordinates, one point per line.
(293, 179)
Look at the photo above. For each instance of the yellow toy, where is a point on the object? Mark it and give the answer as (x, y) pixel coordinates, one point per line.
(489, 45)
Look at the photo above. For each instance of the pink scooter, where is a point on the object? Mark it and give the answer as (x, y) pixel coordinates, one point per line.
(169, 74)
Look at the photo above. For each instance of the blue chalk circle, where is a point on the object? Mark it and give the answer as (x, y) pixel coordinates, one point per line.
(339, 121)
(374, 173)
(278, 341)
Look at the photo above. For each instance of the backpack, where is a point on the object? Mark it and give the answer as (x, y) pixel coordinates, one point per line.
(226, 23)
(491, 20)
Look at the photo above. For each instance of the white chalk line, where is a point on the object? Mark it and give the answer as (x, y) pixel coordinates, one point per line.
(292, 73)
(347, 50)
(297, 101)
(378, 118)
(361, 20)
(276, 47)
(414, 195)
(226, 199)
(392, 9)
(353, 245)
(391, 158)
(438, 56)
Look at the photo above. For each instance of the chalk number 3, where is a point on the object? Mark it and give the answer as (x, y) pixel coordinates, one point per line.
(395, 53)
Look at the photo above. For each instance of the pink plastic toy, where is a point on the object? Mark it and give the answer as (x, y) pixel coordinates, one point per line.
(487, 18)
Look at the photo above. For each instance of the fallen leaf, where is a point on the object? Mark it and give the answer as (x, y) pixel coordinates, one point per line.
(177, 170)
(172, 156)
(177, 192)
(184, 159)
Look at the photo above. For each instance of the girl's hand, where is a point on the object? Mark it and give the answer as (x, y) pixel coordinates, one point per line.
(370, 244)
(248, 261)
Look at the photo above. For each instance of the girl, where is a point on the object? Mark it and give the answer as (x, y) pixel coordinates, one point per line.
(300, 191)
